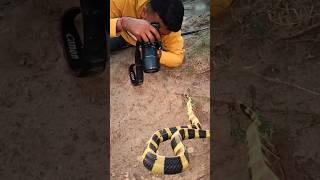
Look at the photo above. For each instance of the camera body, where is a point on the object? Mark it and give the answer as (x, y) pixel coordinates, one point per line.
(147, 59)
(149, 53)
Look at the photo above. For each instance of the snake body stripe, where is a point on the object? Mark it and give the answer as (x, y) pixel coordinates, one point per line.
(180, 161)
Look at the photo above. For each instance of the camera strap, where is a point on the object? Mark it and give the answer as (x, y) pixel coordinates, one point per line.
(89, 57)
(136, 70)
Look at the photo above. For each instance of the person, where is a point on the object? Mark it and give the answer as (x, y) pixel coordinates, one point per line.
(130, 21)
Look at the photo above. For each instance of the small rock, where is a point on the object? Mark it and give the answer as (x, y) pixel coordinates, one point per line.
(113, 174)
(190, 149)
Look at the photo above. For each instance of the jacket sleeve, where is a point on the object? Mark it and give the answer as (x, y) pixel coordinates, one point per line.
(173, 50)
(116, 7)
(113, 27)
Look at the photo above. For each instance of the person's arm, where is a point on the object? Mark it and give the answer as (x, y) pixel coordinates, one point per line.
(141, 29)
(116, 7)
(173, 51)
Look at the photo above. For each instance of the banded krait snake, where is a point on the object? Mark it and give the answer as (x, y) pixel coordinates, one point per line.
(173, 164)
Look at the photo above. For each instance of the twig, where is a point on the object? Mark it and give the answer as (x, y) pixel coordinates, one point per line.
(288, 84)
(205, 71)
(194, 31)
(202, 176)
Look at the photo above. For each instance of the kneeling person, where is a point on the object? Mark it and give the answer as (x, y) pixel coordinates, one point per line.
(130, 21)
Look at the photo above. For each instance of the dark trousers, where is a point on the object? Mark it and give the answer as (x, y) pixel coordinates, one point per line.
(118, 43)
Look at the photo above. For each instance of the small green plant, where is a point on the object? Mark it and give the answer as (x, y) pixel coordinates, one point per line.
(266, 128)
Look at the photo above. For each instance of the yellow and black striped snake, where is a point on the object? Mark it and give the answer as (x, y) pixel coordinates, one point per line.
(180, 161)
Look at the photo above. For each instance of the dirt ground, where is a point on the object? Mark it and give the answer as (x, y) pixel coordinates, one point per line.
(137, 112)
(267, 52)
(52, 125)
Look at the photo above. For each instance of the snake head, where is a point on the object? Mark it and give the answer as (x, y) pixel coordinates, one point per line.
(187, 96)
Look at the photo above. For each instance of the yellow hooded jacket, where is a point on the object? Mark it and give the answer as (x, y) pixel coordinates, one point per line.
(173, 45)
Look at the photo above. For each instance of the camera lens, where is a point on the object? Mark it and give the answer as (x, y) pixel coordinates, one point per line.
(150, 58)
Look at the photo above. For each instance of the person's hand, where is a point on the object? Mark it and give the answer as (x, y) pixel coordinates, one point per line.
(141, 29)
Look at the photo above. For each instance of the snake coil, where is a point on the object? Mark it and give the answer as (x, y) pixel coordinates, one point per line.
(180, 161)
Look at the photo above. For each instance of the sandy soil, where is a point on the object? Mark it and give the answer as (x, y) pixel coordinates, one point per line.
(137, 112)
(254, 61)
(55, 123)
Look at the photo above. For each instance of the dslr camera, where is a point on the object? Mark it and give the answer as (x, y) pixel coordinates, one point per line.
(146, 59)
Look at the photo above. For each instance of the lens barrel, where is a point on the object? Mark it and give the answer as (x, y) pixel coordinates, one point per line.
(150, 58)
